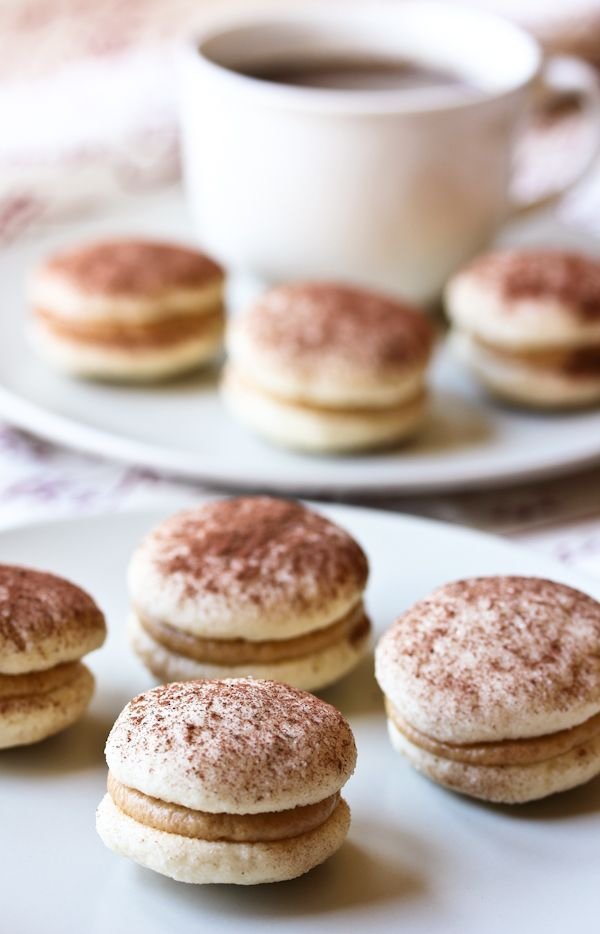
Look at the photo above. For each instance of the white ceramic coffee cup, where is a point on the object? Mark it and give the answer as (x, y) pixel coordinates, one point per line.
(393, 188)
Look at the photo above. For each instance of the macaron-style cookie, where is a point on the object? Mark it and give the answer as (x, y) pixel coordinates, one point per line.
(527, 322)
(46, 625)
(249, 586)
(128, 310)
(325, 367)
(234, 781)
(492, 687)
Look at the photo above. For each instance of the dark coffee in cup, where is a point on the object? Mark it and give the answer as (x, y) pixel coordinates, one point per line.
(357, 73)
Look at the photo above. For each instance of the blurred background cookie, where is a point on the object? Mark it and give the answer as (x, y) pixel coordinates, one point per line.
(249, 586)
(46, 625)
(325, 367)
(527, 322)
(492, 687)
(227, 781)
(128, 310)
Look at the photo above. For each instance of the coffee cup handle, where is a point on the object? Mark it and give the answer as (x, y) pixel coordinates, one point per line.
(566, 101)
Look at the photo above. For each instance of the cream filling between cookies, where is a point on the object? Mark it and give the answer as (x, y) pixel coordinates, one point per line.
(416, 399)
(96, 306)
(231, 828)
(575, 362)
(157, 333)
(527, 751)
(39, 682)
(352, 627)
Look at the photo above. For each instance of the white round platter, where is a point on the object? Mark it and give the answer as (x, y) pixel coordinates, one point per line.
(418, 858)
(182, 428)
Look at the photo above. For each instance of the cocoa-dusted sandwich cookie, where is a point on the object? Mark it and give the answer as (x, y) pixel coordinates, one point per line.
(234, 781)
(249, 586)
(46, 625)
(492, 687)
(326, 367)
(527, 322)
(128, 309)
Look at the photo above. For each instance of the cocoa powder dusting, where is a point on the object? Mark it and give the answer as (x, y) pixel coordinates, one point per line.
(258, 548)
(37, 607)
(133, 267)
(478, 645)
(242, 739)
(161, 333)
(570, 278)
(308, 322)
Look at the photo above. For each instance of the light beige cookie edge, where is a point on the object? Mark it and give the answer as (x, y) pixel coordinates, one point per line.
(201, 862)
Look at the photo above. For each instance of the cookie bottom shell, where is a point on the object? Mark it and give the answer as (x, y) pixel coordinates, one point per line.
(505, 784)
(326, 430)
(201, 861)
(519, 383)
(31, 718)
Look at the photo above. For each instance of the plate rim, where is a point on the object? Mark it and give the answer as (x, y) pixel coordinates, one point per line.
(82, 438)
(164, 213)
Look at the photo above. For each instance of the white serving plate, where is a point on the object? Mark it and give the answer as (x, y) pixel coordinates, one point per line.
(418, 859)
(182, 427)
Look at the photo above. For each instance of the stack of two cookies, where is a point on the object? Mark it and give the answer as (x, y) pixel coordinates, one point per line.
(227, 781)
(47, 625)
(527, 322)
(128, 309)
(249, 586)
(325, 367)
(492, 687)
